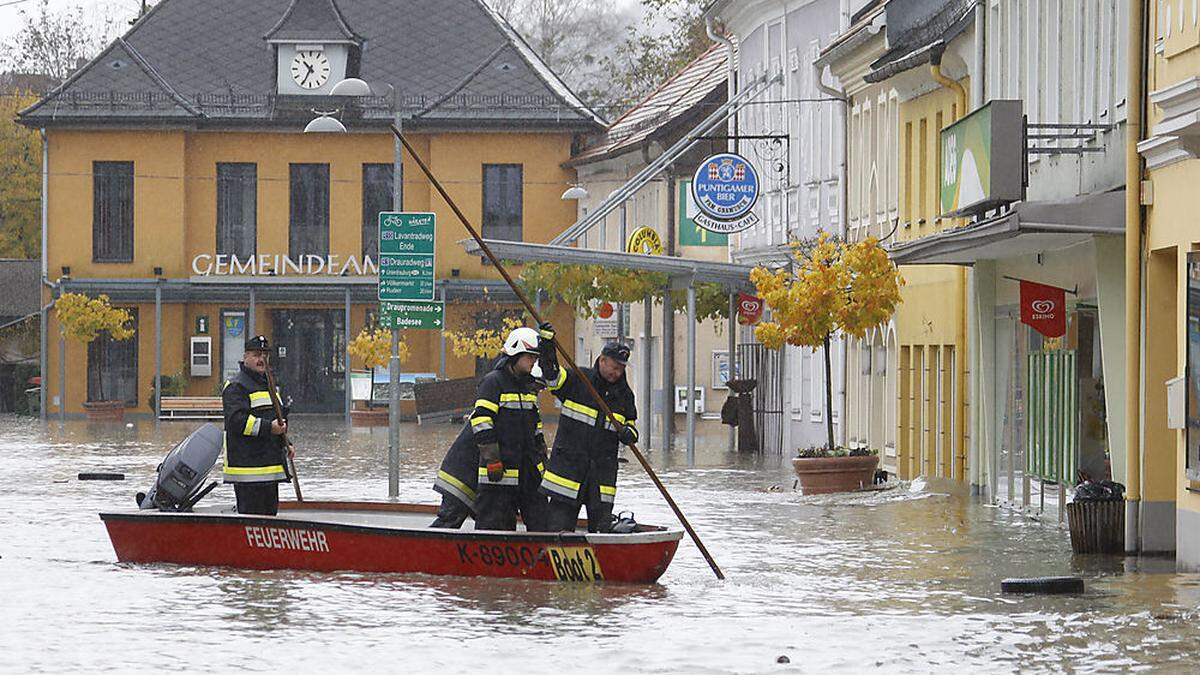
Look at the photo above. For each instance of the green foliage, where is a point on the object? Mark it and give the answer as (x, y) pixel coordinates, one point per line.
(172, 385)
(20, 182)
(583, 287)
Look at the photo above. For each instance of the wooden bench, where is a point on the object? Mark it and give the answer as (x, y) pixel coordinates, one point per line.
(444, 400)
(191, 408)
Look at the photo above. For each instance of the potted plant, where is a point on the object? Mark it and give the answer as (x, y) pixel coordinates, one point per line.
(374, 347)
(831, 286)
(83, 319)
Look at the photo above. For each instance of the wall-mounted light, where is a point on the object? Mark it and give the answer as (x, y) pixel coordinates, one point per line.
(66, 270)
(576, 191)
(158, 271)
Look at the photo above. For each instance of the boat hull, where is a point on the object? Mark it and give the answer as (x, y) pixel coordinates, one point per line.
(374, 537)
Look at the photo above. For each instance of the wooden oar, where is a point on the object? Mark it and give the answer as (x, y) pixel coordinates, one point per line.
(287, 456)
(566, 357)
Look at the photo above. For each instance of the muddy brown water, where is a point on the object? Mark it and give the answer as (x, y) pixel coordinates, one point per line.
(895, 581)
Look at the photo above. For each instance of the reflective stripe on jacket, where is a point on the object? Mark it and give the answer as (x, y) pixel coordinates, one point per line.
(506, 414)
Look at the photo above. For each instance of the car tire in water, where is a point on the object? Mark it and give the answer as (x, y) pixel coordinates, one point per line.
(1043, 585)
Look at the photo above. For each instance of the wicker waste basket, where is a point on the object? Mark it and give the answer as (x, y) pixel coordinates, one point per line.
(1097, 526)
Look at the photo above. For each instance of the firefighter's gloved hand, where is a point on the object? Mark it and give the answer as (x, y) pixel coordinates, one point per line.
(546, 331)
(628, 435)
(489, 457)
(495, 471)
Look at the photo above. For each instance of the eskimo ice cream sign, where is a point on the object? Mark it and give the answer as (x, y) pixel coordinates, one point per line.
(281, 265)
(725, 189)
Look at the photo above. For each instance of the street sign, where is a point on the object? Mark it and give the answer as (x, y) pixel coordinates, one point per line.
(406, 255)
(725, 187)
(412, 315)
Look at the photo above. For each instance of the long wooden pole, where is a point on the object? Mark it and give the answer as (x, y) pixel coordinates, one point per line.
(566, 357)
(287, 457)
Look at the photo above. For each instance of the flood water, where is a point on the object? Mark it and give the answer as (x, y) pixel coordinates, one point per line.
(899, 580)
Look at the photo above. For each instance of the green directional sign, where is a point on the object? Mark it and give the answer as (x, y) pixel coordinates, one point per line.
(406, 255)
(412, 315)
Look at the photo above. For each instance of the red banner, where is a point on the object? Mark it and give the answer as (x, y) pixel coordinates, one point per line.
(750, 309)
(1044, 308)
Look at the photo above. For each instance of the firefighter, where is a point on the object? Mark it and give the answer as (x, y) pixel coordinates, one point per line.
(582, 470)
(458, 477)
(254, 452)
(505, 426)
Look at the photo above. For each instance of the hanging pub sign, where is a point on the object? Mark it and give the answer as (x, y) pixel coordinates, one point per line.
(725, 188)
(644, 240)
(749, 308)
(1043, 308)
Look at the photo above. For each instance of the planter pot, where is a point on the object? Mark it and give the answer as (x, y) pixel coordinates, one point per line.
(822, 475)
(105, 411)
(376, 417)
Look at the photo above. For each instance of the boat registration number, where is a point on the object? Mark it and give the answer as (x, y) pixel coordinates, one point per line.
(574, 563)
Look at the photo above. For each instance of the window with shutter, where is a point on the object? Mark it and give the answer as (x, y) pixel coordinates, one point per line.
(502, 193)
(113, 364)
(237, 204)
(308, 232)
(112, 211)
(377, 196)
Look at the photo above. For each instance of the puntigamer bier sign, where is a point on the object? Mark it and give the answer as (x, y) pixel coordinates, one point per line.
(267, 265)
(725, 188)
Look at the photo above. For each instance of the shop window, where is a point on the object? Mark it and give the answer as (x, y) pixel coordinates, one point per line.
(308, 232)
(502, 193)
(112, 211)
(112, 367)
(237, 202)
(377, 195)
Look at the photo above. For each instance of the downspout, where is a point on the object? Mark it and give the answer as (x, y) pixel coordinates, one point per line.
(730, 74)
(1133, 275)
(843, 181)
(44, 323)
(935, 70)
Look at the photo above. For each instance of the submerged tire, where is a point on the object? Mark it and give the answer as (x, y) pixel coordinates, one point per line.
(101, 475)
(1043, 585)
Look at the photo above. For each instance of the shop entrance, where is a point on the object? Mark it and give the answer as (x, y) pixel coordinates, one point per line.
(310, 360)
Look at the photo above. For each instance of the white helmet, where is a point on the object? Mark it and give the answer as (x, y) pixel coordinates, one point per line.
(521, 341)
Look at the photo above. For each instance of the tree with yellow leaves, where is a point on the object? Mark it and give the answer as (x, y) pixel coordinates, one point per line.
(374, 347)
(83, 319)
(20, 181)
(832, 286)
(482, 343)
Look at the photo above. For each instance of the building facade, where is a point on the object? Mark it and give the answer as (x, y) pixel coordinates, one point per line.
(800, 153)
(179, 183)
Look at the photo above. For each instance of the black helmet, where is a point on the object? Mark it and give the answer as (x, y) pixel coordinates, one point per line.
(258, 343)
(616, 351)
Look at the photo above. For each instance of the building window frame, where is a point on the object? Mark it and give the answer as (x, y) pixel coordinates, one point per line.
(503, 212)
(121, 380)
(112, 211)
(308, 209)
(237, 209)
(378, 195)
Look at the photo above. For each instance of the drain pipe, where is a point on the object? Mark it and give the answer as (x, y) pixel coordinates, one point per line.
(44, 320)
(730, 75)
(1133, 276)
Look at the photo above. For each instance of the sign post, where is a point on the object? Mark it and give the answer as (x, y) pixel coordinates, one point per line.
(407, 245)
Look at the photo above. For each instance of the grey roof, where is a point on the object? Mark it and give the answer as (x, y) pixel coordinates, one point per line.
(914, 29)
(21, 281)
(312, 20)
(206, 62)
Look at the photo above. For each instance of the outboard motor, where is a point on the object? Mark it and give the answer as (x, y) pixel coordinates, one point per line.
(183, 471)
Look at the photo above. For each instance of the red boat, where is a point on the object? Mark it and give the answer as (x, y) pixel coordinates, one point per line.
(384, 537)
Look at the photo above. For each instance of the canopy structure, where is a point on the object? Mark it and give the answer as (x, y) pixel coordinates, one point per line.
(682, 273)
(1028, 227)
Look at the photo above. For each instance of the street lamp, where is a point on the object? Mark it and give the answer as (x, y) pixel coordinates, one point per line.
(351, 86)
(576, 191)
(325, 123)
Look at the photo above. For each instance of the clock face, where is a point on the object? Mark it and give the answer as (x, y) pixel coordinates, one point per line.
(310, 69)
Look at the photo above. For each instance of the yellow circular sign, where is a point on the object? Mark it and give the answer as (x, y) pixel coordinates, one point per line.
(644, 240)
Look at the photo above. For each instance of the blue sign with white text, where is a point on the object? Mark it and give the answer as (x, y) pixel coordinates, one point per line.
(725, 186)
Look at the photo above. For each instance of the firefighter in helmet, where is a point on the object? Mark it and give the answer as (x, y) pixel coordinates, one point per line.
(505, 426)
(582, 470)
(254, 451)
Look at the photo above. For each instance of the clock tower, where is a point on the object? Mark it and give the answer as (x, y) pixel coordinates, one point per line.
(314, 48)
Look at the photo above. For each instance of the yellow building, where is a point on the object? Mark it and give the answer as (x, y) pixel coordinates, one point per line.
(178, 174)
(1169, 456)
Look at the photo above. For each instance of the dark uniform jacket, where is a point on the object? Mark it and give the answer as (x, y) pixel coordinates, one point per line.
(506, 414)
(586, 438)
(252, 454)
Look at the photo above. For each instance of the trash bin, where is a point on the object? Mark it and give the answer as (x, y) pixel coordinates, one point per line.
(1096, 518)
(33, 401)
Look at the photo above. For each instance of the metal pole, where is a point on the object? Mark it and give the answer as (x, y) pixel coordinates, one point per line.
(346, 358)
(621, 305)
(158, 350)
(394, 417)
(442, 338)
(43, 366)
(668, 372)
(648, 370)
(732, 355)
(62, 376)
(250, 323)
(691, 374)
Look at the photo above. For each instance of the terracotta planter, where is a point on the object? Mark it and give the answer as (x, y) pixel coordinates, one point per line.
(105, 411)
(822, 475)
(376, 417)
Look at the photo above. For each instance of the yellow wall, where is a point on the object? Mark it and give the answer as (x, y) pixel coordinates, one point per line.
(931, 321)
(175, 219)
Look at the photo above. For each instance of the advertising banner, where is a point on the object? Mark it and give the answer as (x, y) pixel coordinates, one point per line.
(725, 188)
(1044, 308)
(983, 157)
